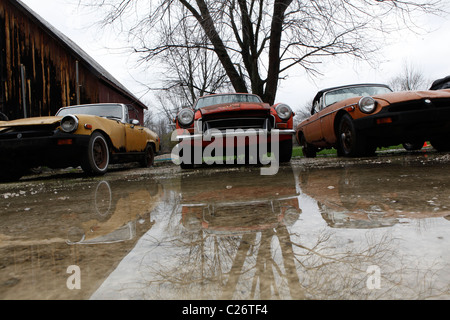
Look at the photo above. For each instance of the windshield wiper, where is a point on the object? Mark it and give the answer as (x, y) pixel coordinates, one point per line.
(113, 117)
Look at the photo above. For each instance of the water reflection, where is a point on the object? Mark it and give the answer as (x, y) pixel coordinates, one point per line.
(115, 213)
(47, 227)
(377, 197)
(228, 236)
(236, 204)
(236, 218)
(232, 234)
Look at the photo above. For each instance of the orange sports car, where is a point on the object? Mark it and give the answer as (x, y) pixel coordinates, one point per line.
(236, 122)
(356, 119)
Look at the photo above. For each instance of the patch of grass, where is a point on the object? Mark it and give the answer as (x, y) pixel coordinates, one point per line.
(297, 151)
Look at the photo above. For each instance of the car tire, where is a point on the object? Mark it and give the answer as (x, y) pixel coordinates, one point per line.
(96, 159)
(352, 144)
(184, 161)
(441, 145)
(413, 145)
(285, 152)
(149, 157)
(10, 172)
(309, 151)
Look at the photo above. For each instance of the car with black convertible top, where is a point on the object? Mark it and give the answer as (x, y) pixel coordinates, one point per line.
(91, 136)
(356, 119)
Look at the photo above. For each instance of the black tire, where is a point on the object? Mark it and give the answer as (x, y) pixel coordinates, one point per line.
(10, 172)
(352, 144)
(285, 152)
(309, 151)
(96, 158)
(185, 161)
(149, 157)
(413, 145)
(441, 144)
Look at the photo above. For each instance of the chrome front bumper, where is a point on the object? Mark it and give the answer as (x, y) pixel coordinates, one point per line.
(233, 133)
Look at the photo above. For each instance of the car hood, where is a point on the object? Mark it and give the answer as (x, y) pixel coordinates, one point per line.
(233, 107)
(30, 121)
(402, 96)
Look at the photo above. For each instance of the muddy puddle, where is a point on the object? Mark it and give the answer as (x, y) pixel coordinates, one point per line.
(341, 232)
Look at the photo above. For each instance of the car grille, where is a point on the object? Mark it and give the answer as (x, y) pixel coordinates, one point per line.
(236, 123)
(419, 105)
(239, 122)
(27, 132)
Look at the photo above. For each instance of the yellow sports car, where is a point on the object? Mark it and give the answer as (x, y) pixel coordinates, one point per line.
(91, 136)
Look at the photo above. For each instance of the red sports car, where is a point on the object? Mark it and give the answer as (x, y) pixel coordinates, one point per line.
(237, 125)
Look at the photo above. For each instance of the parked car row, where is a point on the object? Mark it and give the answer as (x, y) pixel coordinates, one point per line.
(354, 119)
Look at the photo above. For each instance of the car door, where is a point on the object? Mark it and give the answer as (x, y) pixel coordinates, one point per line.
(313, 127)
(327, 126)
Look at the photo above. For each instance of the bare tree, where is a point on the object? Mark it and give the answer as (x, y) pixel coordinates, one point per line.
(303, 112)
(190, 71)
(161, 126)
(410, 78)
(258, 42)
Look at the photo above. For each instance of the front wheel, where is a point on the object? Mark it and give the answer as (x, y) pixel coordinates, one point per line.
(149, 157)
(352, 144)
(96, 158)
(11, 171)
(413, 145)
(187, 159)
(441, 144)
(285, 152)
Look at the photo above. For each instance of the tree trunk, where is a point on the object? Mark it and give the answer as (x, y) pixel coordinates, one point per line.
(205, 20)
(274, 50)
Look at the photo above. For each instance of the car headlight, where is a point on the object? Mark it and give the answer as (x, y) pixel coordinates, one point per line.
(283, 111)
(69, 123)
(367, 104)
(185, 117)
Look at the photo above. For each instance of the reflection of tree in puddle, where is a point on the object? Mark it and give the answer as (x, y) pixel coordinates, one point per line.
(275, 264)
(219, 254)
(208, 266)
(375, 203)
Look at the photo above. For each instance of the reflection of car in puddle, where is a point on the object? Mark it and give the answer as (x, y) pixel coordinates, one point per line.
(115, 214)
(239, 202)
(345, 201)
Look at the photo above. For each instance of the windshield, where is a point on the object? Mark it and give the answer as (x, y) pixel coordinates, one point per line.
(226, 98)
(112, 111)
(349, 92)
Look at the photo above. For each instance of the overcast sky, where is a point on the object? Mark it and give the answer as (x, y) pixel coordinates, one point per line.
(428, 52)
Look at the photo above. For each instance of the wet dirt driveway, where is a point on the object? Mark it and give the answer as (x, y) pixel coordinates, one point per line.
(325, 228)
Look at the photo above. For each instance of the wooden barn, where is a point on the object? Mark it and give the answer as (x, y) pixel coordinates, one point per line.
(42, 70)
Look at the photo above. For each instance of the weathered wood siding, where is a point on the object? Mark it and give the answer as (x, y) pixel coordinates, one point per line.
(48, 66)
